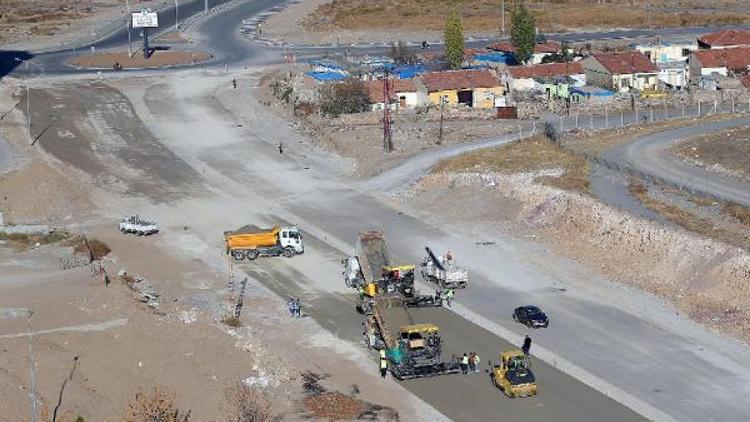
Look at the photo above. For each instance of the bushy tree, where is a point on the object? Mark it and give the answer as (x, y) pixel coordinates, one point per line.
(522, 33)
(157, 407)
(350, 96)
(454, 41)
(247, 404)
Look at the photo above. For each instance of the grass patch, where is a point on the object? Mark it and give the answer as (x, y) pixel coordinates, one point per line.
(21, 242)
(739, 212)
(232, 321)
(688, 220)
(530, 154)
(550, 16)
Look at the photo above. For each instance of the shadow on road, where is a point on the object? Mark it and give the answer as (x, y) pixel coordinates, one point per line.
(10, 59)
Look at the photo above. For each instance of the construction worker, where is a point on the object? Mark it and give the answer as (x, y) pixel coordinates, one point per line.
(281, 148)
(382, 354)
(476, 363)
(449, 293)
(234, 83)
(383, 367)
(472, 362)
(290, 305)
(526, 345)
(465, 364)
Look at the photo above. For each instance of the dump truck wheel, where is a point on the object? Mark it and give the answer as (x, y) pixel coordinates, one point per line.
(238, 255)
(251, 255)
(288, 252)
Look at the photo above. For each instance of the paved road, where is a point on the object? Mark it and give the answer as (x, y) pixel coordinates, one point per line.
(649, 155)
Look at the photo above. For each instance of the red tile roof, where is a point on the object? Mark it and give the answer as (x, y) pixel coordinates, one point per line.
(625, 62)
(459, 79)
(546, 70)
(375, 89)
(731, 58)
(725, 38)
(507, 47)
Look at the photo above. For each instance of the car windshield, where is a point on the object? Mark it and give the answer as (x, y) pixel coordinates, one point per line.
(519, 376)
(294, 235)
(533, 311)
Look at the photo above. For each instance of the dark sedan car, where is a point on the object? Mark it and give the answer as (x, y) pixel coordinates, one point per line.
(530, 316)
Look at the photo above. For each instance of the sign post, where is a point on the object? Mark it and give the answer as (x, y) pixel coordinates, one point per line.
(145, 19)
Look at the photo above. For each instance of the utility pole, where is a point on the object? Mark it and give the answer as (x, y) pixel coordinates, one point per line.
(32, 393)
(176, 15)
(440, 132)
(387, 140)
(502, 18)
(205, 6)
(130, 17)
(28, 99)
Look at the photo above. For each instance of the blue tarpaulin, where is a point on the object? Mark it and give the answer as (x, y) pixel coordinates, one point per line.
(408, 71)
(591, 91)
(495, 57)
(326, 76)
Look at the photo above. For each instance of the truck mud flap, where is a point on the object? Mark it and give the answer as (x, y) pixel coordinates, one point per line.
(408, 373)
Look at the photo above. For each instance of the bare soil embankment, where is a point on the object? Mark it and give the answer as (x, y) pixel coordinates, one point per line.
(726, 152)
(324, 21)
(707, 279)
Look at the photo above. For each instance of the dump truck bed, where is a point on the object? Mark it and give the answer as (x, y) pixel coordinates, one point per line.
(372, 254)
(252, 237)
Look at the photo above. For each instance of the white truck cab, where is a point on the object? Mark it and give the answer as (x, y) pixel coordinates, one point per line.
(290, 236)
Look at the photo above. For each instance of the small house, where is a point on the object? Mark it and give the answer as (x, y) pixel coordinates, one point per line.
(728, 38)
(403, 93)
(663, 53)
(550, 75)
(621, 71)
(473, 88)
(722, 61)
(541, 50)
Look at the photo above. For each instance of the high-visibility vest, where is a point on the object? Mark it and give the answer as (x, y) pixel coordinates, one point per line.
(383, 364)
(465, 360)
(382, 353)
(476, 359)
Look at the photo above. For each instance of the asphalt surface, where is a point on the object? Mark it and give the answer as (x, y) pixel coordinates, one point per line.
(649, 155)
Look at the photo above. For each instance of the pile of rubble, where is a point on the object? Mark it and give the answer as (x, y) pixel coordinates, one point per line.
(143, 290)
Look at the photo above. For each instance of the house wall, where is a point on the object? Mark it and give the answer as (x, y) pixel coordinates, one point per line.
(666, 53)
(645, 80)
(536, 58)
(596, 74)
(623, 82)
(412, 98)
(485, 97)
(673, 77)
(451, 96)
(709, 70)
(522, 84)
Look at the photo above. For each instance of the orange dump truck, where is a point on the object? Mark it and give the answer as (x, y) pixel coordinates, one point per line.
(250, 242)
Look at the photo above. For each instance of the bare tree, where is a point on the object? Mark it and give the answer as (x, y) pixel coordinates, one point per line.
(157, 407)
(247, 404)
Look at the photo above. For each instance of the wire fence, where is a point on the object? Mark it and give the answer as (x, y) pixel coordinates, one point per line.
(603, 119)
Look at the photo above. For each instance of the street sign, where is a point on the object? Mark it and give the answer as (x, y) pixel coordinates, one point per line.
(145, 19)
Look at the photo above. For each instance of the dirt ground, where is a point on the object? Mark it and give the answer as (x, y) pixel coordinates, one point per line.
(45, 23)
(724, 152)
(358, 20)
(359, 137)
(157, 59)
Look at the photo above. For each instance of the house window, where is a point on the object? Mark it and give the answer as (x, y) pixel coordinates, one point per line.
(402, 101)
(685, 52)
